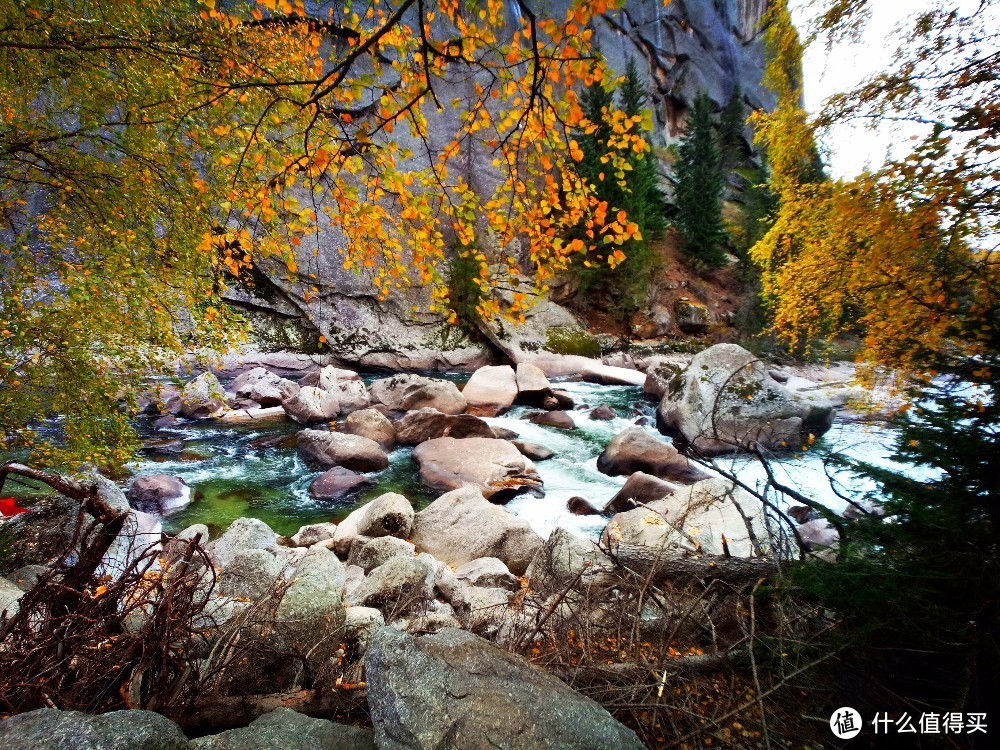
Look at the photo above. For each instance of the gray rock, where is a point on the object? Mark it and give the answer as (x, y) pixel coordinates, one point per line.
(10, 594)
(51, 729)
(313, 533)
(559, 419)
(250, 574)
(639, 488)
(368, 553)
(494, 467)
(264, 387)
(399, 584)
(361, 623)
(323, 450)
(462, 525)
(338, 483)
(426, 424)
(602, 413)
(407, 392)
(329, 377)
(311, 404)
(202, 398)
(634, 449)
(347, 531)
(454, 689)
(159, 494)
(726, 401)
(434, 617)
(661, 376)
(564, 558)
(242, 535)
(284, 729)
(353, 396)
(818, 534)
(488, 572)
(373, 425)
(390, 514)
(25, 578)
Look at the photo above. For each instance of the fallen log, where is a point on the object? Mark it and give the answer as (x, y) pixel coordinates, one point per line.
(656, 564)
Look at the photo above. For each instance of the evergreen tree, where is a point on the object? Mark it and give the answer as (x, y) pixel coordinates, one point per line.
(699, 184)
(732, 123)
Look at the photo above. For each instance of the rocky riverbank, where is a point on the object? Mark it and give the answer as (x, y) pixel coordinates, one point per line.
(405, 601)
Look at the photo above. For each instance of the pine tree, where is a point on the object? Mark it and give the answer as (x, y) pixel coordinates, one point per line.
(732, 123)
(699, 182)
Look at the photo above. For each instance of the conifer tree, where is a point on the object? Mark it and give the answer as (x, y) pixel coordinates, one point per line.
(699, 184)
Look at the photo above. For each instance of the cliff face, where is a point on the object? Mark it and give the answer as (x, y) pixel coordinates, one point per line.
(686, 47)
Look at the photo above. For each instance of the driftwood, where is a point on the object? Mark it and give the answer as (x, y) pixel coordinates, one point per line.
(651, 563)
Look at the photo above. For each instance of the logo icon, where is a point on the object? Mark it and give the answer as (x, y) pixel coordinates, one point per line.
(845, 723)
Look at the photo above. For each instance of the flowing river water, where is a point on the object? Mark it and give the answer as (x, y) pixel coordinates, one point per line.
(233, 478)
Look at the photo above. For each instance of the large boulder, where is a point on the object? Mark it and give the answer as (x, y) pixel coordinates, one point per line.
(313, 533)
(338, 483)
(554, 418)
(284, 729)
(640, 488)
(372, 424)
(329, 377)
(634, 449)
(312, 404)
(565, 558)
(243, 534)
(692, 317)
(387, 515)
(726, 400)
(426, 424)
(264, 387)
(598, 372)
(368, 553)
(52, 729)
(494, 467)
(400, 583)
(159, 494)
(661, 375)
(462, 525)
(251, 574)
(202, 398)
(407, 392)
(454, 689)
(491, 390)
(323, 450)
(532, 384)
(712, 517)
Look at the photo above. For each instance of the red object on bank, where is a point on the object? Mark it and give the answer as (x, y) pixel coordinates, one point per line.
(9, 507)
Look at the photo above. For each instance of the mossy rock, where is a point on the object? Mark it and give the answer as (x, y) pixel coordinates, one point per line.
(567, 340)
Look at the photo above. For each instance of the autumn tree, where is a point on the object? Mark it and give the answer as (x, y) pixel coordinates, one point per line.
(183, 142)
(699, 182)
(905, 256)
(615, 119)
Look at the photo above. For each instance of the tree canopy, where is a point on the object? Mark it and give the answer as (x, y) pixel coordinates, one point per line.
(149, 152)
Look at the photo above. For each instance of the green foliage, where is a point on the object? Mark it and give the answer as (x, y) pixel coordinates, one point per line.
(732, 123)
(565, 340)
(639, 194)
(917, 593)
(699, 184)
(465, 294)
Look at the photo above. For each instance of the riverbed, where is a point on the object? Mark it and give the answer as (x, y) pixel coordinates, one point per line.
(232, 477)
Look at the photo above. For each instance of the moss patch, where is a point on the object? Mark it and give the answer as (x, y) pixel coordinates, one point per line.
(568, 340)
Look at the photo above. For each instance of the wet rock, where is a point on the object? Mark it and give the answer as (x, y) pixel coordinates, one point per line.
(581, 506)
(494, 467)
(532, 384)
(634, 449)
(462, 525)
(602, 413)
(502, 433)
(598, 372)
(167, 421)
(312, 404)
(639, 489)
(534, 451)
(324, 450)
(372, 424)
(159, 494)
(266, 442)
(407, 392)
(390, 514)
(559, 419)
(426, 424)
(563, 399)
(454, 689)
(338, 483)
(369, 553)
